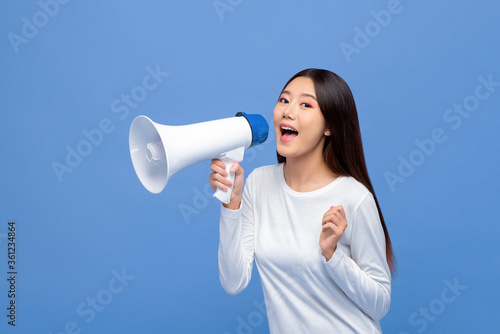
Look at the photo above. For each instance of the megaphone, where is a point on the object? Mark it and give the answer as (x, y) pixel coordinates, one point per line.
(159, 151)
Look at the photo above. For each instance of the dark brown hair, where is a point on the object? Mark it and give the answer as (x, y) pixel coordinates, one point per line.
(343, 149)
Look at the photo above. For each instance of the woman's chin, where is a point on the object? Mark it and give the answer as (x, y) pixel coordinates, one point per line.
(283, 152)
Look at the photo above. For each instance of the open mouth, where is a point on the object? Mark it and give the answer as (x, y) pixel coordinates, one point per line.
(288, 133)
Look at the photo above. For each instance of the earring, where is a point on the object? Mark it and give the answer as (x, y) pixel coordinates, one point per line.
(327, 132)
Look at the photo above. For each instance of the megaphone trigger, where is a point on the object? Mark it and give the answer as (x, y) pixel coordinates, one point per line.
(229, 158)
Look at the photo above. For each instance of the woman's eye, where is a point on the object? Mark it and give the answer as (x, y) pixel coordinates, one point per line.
(306, 105)
(283, 100)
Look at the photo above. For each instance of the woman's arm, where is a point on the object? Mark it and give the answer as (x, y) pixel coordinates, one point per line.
(236, 248)
(364, 276)
(236, 235)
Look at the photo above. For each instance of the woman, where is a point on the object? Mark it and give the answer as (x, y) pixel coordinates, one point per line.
(311, 223)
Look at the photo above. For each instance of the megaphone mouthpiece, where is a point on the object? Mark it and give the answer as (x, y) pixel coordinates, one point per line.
(259, 127)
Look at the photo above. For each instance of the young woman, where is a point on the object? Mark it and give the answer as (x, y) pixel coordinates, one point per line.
(311, 223)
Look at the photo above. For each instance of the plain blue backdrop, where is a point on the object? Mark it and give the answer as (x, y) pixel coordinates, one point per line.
(97, 253)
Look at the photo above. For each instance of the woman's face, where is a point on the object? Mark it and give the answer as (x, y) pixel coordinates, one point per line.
(298, 122)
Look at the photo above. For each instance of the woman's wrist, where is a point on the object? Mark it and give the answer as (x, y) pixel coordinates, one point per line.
(329, 254)
(234, 204)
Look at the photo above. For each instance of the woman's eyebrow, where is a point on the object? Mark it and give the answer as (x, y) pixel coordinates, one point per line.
(303, 94)
(310, 95)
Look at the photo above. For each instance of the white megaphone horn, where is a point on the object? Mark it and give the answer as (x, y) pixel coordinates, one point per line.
(159, 151)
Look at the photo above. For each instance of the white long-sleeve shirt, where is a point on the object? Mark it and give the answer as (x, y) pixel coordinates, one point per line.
(279, 228)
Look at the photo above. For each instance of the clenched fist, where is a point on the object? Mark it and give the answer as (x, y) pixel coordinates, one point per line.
(334, 224)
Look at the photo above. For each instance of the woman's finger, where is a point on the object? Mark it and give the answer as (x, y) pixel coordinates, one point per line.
(331, 230)
(331, 217)
(218, 166)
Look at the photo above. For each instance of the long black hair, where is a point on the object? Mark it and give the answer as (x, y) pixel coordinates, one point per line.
(343, 149)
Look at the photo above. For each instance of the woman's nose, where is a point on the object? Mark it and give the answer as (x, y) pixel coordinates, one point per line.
(288, 112)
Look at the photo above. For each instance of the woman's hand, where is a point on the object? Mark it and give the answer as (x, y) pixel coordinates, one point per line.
(218, 179)
(334, 224)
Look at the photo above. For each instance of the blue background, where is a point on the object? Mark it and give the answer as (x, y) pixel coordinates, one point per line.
(78, 230)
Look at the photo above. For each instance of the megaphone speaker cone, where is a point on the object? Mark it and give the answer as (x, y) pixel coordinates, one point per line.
(148, 154)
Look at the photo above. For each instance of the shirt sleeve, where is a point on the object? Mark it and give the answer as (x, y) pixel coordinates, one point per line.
(364, 276)
(236, 244)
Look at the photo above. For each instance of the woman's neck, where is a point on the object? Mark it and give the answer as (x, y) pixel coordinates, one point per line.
(306, 174)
